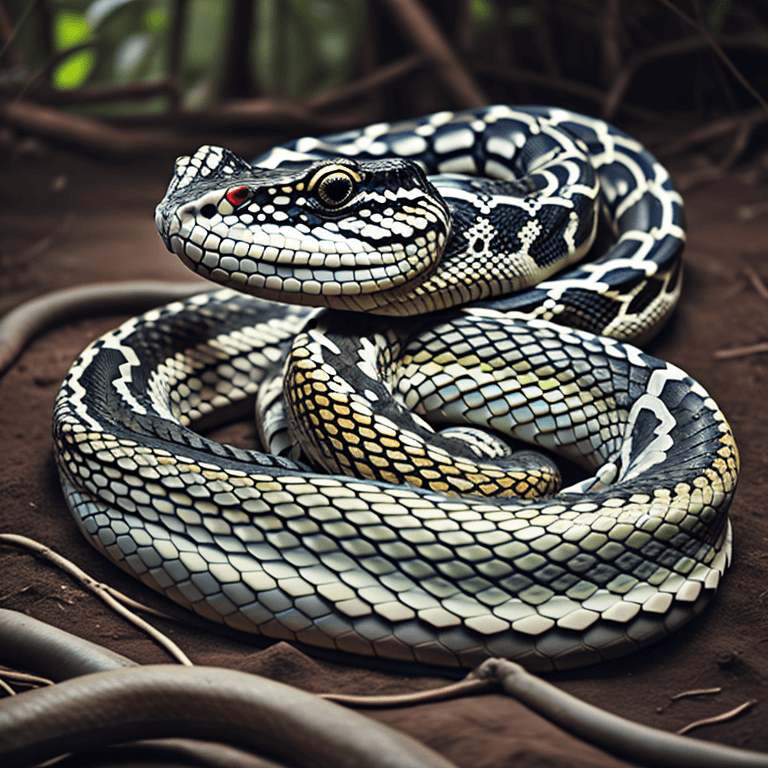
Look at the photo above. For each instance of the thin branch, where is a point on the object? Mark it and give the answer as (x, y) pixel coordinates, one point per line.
(624, 76)
(723, 718)
(717, 48)
(176, 132)
(715, 171)
(45, 20)
(543, 32)
(98, 94)
(697, 692)
(561, 85)
(99, 589)
(752, 349)
(266, 112)
(85, 132)
(175, 49)
(371, 81)
(469, 686)
(610, 31)
(45, 72)
(420, 27)
(19, 24)
(714, 130)
(23, 678)
(129, 602)
(6, 31)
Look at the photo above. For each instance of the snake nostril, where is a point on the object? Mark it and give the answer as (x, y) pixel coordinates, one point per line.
(208, 211)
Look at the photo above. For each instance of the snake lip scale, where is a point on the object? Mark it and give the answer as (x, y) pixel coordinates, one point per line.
(449, 251)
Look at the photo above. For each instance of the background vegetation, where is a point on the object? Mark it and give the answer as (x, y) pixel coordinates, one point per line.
(157, 73)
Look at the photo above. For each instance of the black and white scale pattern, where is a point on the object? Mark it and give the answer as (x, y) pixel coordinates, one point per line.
(268, 545)
(521, 185)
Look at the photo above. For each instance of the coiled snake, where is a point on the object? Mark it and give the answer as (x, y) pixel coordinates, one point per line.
(435, 243)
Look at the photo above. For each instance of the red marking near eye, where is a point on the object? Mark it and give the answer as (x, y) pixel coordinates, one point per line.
(237, 195)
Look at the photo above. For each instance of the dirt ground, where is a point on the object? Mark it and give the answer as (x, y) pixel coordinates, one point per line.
(66, 220)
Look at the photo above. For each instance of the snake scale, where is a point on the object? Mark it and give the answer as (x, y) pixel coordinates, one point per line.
(446, 251)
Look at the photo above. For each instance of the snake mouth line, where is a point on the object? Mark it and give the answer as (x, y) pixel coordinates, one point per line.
(299, 272)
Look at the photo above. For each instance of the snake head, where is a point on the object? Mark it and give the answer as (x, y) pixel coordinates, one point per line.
(349, 234)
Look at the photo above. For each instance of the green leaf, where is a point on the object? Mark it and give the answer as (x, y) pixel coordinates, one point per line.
(74, 70)
(69, 30)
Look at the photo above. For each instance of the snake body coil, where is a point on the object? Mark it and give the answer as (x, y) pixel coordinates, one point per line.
(478, 554)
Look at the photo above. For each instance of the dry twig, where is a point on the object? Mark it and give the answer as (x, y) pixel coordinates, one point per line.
(756, 281)
(44, 75)
(469, 686)
(723, 718)
(84, 131)
(371, 81)
(98, 94)
(715, 171)
(613, 96)
(696, 692)
(420, 27)
(99, 589)
(174, 53)
(610, 32)
(9, 40)
(751, 349)
(23, 678)
(713, 130)
(717, 48)
(562, 85)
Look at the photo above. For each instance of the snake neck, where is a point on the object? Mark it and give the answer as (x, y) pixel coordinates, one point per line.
(484, 257)
(379, 235)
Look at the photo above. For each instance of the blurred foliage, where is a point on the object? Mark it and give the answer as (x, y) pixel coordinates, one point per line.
(70, 29)
(300, 47)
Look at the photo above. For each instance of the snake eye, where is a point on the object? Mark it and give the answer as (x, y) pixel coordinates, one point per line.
(335, 185)
(237, 195)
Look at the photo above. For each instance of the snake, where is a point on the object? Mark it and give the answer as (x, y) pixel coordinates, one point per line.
(426, 313)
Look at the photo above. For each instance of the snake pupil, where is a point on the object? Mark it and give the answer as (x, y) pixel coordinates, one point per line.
(335, 189)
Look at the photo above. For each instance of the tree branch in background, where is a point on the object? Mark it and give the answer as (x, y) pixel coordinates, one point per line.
(421, 29)
(610, 32)
(7, 33)
(179, 131)
(83, 132)
(714, 130)
(716, 47)
(371, 81)
(178, 26)
(44, 75)
(99, 94)
(237, 81)
(10, 34)
(622, 79)
(561, 85)
(712, 171)
(267, 113)
(353, 103)
(544, 41)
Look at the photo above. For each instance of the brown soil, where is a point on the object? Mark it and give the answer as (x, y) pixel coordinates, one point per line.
(66, 221)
